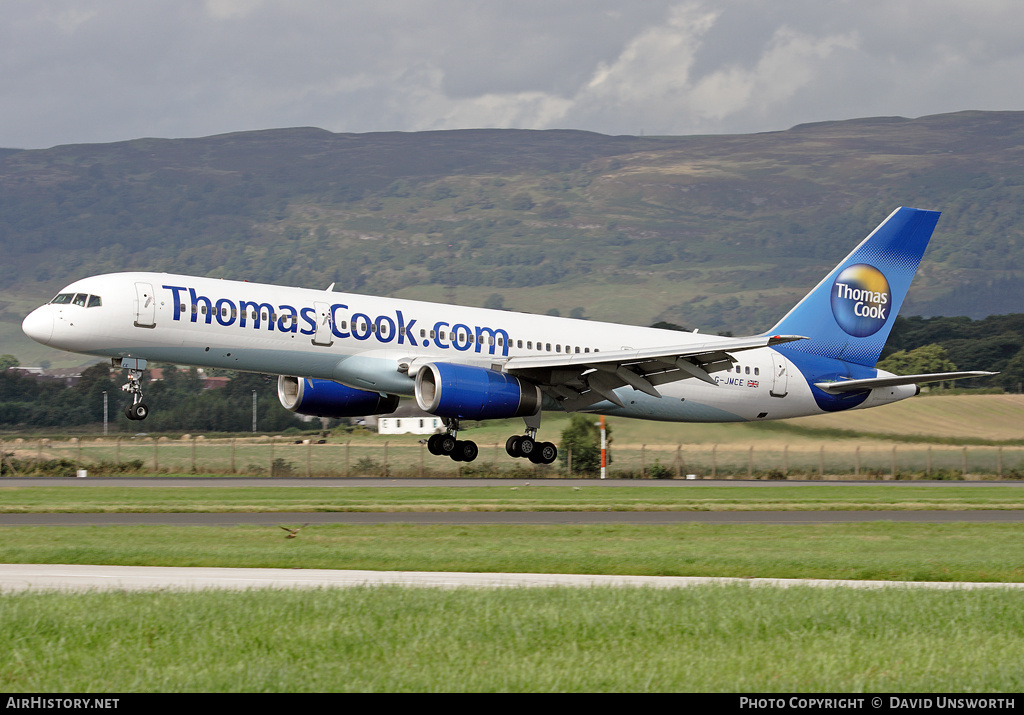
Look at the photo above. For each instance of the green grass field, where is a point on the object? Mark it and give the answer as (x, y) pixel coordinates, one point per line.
(875, 551)
(547, 496)
(734, 639)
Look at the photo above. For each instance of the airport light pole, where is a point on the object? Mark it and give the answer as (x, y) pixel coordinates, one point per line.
(254, 410)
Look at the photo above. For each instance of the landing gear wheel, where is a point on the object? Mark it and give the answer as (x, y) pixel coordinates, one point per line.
(434, 444)
(139, 411)
(456, 454)
(526, 446)
(467, 451)
(546, 453)
(512, 446)
(447, 444)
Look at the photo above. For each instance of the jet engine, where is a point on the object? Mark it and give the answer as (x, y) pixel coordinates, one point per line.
(326, 398)
(474, 393)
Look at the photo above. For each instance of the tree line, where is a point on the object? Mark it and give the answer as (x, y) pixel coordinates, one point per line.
(995, 343)
(178, 402)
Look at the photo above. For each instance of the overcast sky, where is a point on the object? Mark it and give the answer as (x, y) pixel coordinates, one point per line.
(76, 71)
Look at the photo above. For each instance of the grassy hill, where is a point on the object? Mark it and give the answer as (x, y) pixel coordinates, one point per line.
(716, 232)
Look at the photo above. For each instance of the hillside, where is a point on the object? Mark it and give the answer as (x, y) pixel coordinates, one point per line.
(716, 232)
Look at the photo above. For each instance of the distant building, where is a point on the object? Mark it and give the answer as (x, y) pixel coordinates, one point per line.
(409, 419)
(156, 374)
(67, 375)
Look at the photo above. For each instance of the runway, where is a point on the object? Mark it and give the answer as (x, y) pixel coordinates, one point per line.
(380, 482)
(465, 518)
(75, 578)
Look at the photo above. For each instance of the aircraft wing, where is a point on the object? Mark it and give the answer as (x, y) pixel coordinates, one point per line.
(581, 379)
(872, 382)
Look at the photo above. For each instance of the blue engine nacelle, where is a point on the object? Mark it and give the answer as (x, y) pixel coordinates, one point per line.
(326, 398)
(474, 393)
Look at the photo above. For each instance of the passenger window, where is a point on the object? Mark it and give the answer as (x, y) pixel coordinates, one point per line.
(549, 347)
(757, 371)
(747, 369)
(79, 299)
(95, 301)
(558, 348)
(63, 298)
(529, 345)
(577, 348)
(519, 343)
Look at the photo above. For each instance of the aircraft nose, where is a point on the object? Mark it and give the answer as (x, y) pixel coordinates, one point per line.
(38, 325)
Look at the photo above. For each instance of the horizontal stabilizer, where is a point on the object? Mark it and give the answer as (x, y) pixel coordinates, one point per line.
(873, 382)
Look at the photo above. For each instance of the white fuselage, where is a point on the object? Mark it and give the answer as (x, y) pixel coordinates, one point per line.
(370, 342)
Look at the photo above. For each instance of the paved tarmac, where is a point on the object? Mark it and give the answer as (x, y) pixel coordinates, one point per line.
(462, 518)
(39, 577)
(234, 482)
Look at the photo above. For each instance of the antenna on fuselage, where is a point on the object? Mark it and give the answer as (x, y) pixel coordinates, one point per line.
(330, 287)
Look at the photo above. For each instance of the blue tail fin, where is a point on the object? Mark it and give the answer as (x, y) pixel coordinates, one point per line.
(848, 316)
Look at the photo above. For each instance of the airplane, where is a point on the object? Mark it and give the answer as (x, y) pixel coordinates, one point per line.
(343, 355)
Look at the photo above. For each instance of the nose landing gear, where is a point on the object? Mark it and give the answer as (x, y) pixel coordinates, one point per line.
(138, 410)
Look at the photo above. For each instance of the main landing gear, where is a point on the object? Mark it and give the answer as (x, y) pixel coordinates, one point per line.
(527, 446)
(138, 410)
(449, 445)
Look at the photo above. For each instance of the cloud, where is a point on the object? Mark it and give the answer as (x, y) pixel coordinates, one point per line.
(80, 70)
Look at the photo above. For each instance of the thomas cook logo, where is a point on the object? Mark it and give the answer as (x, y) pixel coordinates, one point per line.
(861, 300)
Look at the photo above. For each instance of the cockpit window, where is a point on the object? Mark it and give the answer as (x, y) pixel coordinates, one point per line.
(83, 299)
